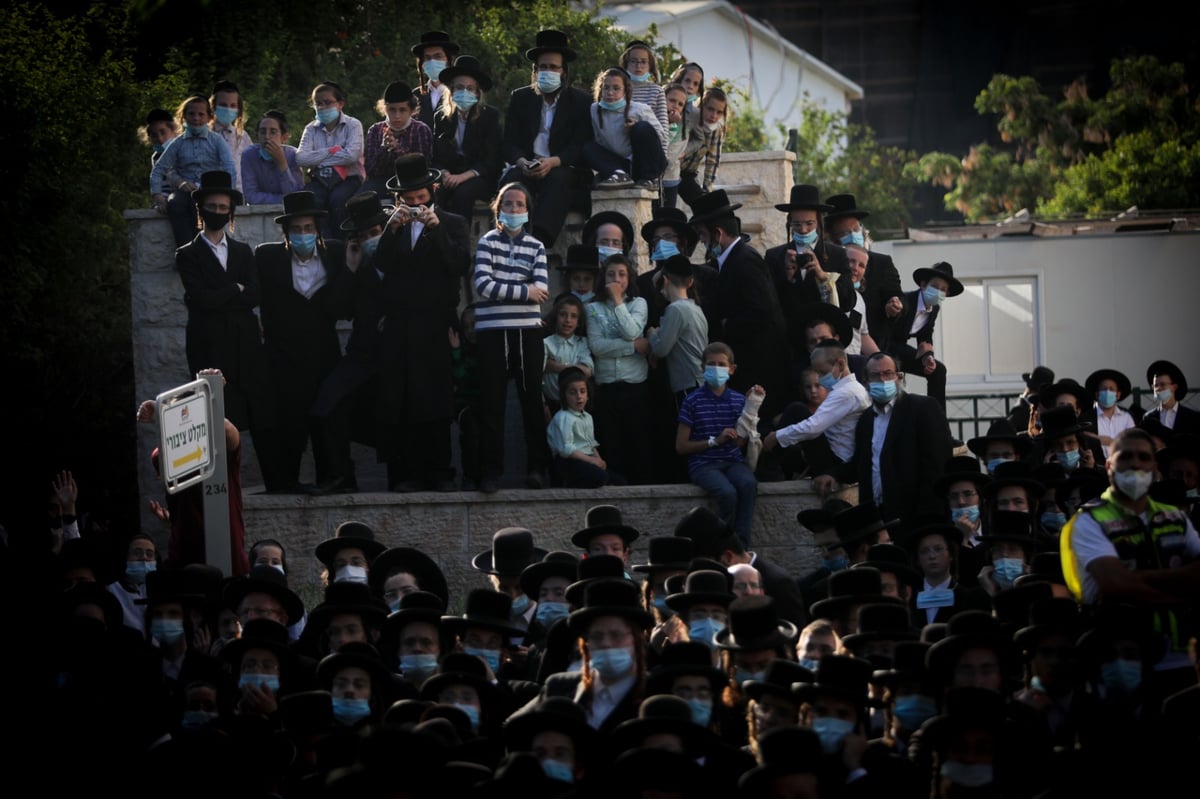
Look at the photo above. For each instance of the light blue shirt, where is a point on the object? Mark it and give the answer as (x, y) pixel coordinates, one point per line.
(569, 352)
(611, 333)
(570, 432)
(189, 156)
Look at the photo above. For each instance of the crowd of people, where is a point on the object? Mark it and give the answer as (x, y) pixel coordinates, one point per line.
(1014, 622)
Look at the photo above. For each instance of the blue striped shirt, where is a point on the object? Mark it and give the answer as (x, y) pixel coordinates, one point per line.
(505, 271)
(707, 415)
(188, 156)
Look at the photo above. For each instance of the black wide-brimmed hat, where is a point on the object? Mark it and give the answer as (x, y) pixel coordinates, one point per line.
(702, 587)
(1009, 525)
(1013, 473)
(512, 550)
(458, 668)
(842, 676)
(684, 659)
(1059, 422)
(849, 587)
(908, 663)
(555, 564)
(486, 609)
(821, 518)
(1184, 445)
(705, 528)
(357, 654)
(417, 606)
(435, 39)
(663, 714)
(968, 629)
(299, 203)
(591, 568)
(666, 553)
(1117, 622)
(1092, 384)
(679, 266)
(880, 622)
(588, 234)
(609, 597)
(754, 624)
(349, 534)
(1170, 370)
(950, 533)
(844, 206)
(603, 520)
(580, 258)
(777, 680)
(1050, 393)
(551, 41)
(786, 751)
(169, 585)
(424, 569)
(363, 211)
(966, 708)
(1040, 376)
(218, 181)
(466, 65)
(804, 197)
(859, 521)
(557, 713)
(675, 219)
(264, 580)
(895, 559)
(1000, 430)
(412, 172)
(711, 207)
(259, 634)
(1049, 616)
(346, 597)
(957, 469)
(943, 270)
(829, 314)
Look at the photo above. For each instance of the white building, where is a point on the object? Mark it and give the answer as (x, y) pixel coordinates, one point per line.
(730, 44)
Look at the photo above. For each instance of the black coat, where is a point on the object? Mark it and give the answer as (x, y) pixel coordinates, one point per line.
(420, 293)
(1187, 421)
(898, 345)
(570, 130)
(881, 283)
(778, 584)
(480, 147)
(567, 684)
(222, 329)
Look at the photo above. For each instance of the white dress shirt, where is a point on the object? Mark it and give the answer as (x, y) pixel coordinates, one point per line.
(605, 699)
(883, 418)
(220, 249)
(308, 276)
(836, 417)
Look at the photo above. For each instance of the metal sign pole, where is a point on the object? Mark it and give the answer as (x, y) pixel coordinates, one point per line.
(216, 487)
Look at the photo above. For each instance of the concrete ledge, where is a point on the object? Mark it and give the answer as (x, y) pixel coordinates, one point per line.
(454, 527)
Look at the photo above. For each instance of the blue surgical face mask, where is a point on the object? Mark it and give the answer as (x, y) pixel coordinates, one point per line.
(370, 245)
(264, 155)
(585, 296)
(703, 630)
(693, 99)
(857, 285)
(639, 78)
(548, 82)
(196, 719)
(196, 130)
(520, 604)
(828, 381)
(613, 663)
(464, 99)
(836, 564)
(1164, 396)
(327, 116)
(805, 239)
(158, 148)
(136, 570)
(854, 237)
(348, 711)
(742, 676)
(1107, 398)
(1007, 570)
(472, 714)
(701, 711)
(831, 731)
(226, 116)
(549, 612)
(489, 656)
(994, 462)
(512, 222)
(1069, 460)
(616, 105)
(1053, 521)
(968, 775)
(664, 250)
(716, 376)
(811, 665)
(558, 770)
(932, 296)
(716, 249)
(970, 513)
(660, 604)
(913, 710)
(303, 243)
(607, 251)
(433, 68)
(418, 668)
(166, 631)
(1122, 676)
(270, 681)
(883, 392)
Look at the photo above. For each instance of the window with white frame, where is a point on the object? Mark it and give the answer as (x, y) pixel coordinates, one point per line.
(989, 332)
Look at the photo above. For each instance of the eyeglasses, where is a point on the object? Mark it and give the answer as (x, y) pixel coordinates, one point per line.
(550, 68)
(888, 375)
(964, 495)
(638, 62)
(612, 638)
(671, 237)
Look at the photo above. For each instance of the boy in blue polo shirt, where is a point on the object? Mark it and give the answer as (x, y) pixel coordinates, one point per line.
(707, 435)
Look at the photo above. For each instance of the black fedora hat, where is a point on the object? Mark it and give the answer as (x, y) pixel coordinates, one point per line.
(785, 751)
(259, 634)
(466, 65)
(683, 659)
(1170, 370)
(603, 520)
(1092, 384)
(968, 629)
(859, 521)
(1011, 606)
(1000, 430)
(95, 593)
(675, 219)
(908, 663)
(1009, 525)
(609, 597)
(1059, 422)
(487, 609)
(949, 532)
(591, 568)
(512, 550)
(829, 314)
(754, 624)
(842, 676)
(551, 41)
(363, 211)
(666, 553)
(264, 580)
(705, 528)
(821, 518)
(1045, 567)
(358, 654)
(1013, 473)
(804, 197)
(417, 606)
(895, 559)
(1040, 376)
(555, 564)
(777, 680)
(1183, 446)
(1050, 393)
(965, 708)
(299, 203)
(588, 234)
(412, 172)
(424, 569)
(702, 587)
(435, 39)
(458, 668)
(663, 714)
(957, 469)
(1049, 616)
(711, 207)
(849, 587)
(580, 258)
(941, 269)
(350, 533)
(679, 266)
(843, 205)
(880, 622)
(217, 181)
(557, 713)
(169, 585)
(346, 597)
(1114, 622)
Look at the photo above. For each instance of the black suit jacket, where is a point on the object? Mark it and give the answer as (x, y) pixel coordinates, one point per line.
(915, 449)
(1187, 421)
(480, 146)
(567, 684)
(570, 130)
(782, 587)
(881, 283)
(898, 345)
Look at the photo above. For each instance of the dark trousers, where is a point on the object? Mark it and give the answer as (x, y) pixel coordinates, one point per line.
(689, 188)
(623, 428)
(334, 201)
(470, 442)
(575, 473)
(552, 199)
(648, 158)
(181, 213)
(462, 198)
(815, 455)
(517, 354)
(418, 452)
(344, 412)
(935, 387)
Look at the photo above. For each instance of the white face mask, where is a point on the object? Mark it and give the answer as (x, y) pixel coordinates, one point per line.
(351, 574)
(1133, 483)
